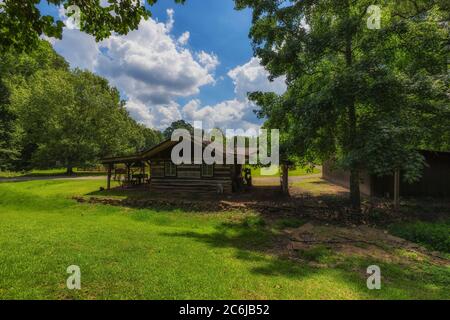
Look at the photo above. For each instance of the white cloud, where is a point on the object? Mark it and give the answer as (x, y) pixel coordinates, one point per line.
(252, 76)
(184, 38)
(162, 115)
(229, 114)
(209, 61)
(170, 21)
(148, 65)
(153, 69)
(140, 111)
(79, 49)
(238, 112)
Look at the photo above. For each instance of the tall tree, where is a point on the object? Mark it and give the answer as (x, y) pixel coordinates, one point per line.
(179, 124)
(22, 24)
(367, 94)
(151, 137)
(51, 115)
(75, 118)
(10, 133)
(15, 71)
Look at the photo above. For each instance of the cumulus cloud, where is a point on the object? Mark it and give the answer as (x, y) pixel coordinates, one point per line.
(238, 112)
(209, 61)
(229, 114)
(78, 48)
(252, 76)
(184, 38)
(170, 21)
(150, 67)
(153, 69)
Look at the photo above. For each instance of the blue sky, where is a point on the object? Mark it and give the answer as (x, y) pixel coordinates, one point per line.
(191, 62)
(214, 26)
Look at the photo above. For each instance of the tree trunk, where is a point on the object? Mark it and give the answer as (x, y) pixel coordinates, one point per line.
(355, 196)
(397, 189)
(285, 179)
(69, 171)
(108, 184)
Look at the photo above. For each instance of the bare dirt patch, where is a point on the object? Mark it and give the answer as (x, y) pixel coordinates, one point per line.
(359, 241)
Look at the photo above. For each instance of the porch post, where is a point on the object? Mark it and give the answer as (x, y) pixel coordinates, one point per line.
(149, 170)
(128, 172)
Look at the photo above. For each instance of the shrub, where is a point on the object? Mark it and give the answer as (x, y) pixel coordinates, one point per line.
(434, 235)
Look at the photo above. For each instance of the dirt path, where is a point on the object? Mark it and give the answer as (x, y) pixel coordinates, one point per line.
(276, 180)
(22, 179)
(360, 241)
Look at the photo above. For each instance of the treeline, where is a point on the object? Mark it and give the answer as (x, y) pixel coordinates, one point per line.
(52, 116)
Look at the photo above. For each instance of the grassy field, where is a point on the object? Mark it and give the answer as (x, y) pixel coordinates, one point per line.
(129, 253)
(297, 172)
(47, 172)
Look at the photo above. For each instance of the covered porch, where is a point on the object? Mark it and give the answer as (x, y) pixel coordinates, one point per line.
(127, 171)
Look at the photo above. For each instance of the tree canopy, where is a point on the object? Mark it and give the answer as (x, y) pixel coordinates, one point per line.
(179, 124)
(53, 116)
(367, 97)
(22, 24)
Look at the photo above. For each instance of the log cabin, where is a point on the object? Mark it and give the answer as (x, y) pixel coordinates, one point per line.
(165, 176)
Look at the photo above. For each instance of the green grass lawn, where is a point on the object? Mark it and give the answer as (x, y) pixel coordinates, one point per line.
(298, 171)
(47, 172)
(148, 254)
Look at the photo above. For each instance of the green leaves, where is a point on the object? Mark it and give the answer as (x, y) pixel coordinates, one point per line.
(369, 97)
(22, 25)
(55, 116)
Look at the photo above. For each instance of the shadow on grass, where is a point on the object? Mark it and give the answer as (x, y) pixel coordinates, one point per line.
(266, 247)
(332, 207)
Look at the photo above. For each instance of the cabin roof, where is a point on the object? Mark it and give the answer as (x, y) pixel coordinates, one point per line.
(146, 154)
(149, 153)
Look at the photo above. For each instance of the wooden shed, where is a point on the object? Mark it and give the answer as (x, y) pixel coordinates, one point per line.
(166, 176)
(435, 179)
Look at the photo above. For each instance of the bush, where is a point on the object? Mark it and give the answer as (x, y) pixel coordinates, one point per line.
(434, 235)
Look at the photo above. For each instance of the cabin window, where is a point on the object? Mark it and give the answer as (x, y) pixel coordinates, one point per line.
(170, 169)
(207, 170)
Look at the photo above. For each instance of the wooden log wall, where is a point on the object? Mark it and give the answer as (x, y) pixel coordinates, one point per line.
(189, 179)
